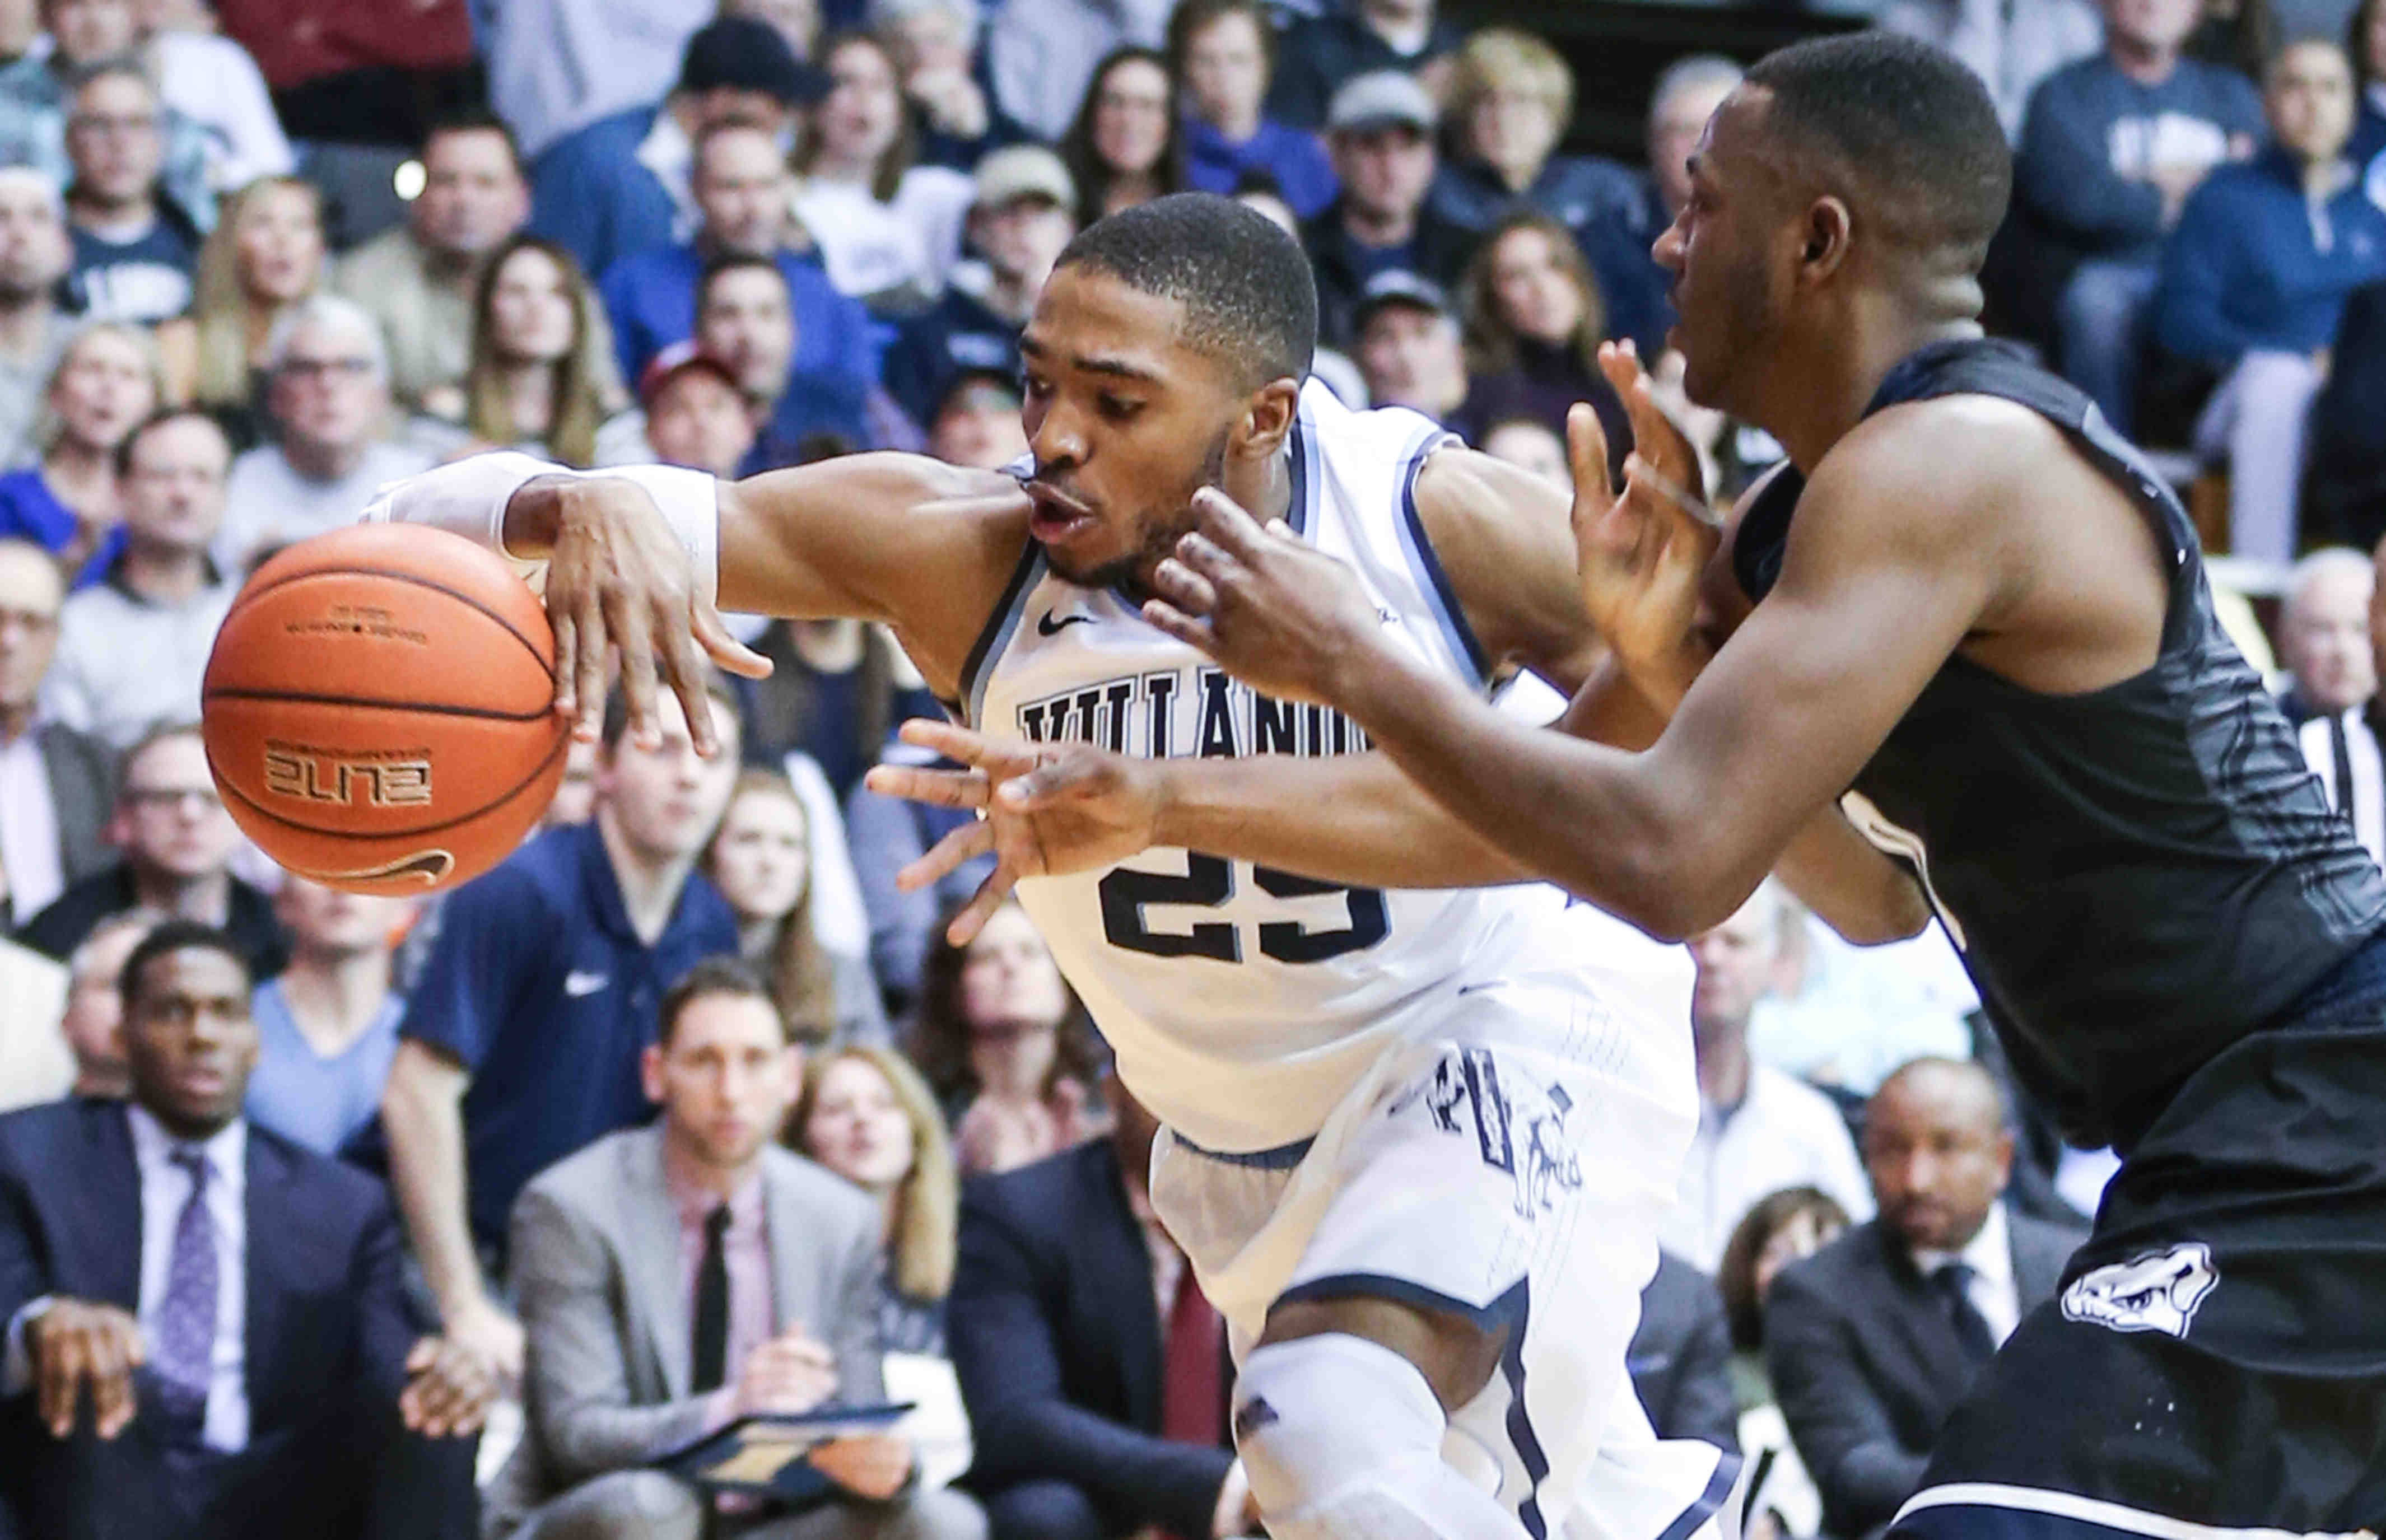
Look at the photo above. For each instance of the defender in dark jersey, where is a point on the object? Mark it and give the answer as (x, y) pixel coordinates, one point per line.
(1973, 609)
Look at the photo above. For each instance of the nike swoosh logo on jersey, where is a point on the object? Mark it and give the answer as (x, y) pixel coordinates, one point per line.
(577, 985)
(1050, 627)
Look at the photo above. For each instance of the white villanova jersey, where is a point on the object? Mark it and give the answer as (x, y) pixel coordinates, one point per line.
(1244, 1002)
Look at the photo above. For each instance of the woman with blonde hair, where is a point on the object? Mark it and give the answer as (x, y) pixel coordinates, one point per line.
(760, 859)
(1510, 97)
(265, 254)
(105, 383)
(1532, 317)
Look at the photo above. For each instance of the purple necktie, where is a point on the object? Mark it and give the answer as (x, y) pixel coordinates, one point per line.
(186, 1322)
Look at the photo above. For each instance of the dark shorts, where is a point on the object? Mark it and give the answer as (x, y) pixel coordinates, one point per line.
(2215, 1360)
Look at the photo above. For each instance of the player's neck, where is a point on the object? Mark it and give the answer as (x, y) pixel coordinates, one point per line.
(651, 886)
(1263, 489)
(1820, 400)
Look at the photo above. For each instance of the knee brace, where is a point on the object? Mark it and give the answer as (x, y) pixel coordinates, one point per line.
(1342, 1439)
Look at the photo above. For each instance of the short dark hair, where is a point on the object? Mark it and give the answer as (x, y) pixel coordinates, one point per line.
(154, 733)
(617, 707)
(1249, 296)
(475, 119)
(179, 936)
(734, 261)
(1905, 127)
(707, 977)
(1193, 17)
(159, 418)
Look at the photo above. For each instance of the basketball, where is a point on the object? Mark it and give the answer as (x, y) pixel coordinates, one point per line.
(378, 710)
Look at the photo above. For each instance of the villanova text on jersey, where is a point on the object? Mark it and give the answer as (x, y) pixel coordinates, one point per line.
(1201, 713)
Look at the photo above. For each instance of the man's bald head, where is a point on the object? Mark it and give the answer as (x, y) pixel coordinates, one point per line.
(2324, 629)
(1939, 1152)
(32, 588)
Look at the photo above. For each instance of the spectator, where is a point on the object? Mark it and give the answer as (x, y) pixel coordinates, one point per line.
(1379, 131)
(558, 66)
(2111, 147)
(36, 1064)
(2347, 485)
(797, 22)
(2254, 279)
(888, 230)
(1782, 1228)
(211, 80)
(1510, 97)
(2236, 34)
(761, 861)
(744, 191)
(1759, 1129)
(86, 36)
(1843, 1016)
(135, 246)
(745, 319)
(1679, 1359)
(1002, 1041)
(2324, 636)
(1125, 146)
(1020, 218)
(104, 383)
(544, 978)
(34, 256)
(56, 784)
(886, 833)
(1873, 1340)
(132, 645)
(1534, 320)
(94, 1022)
(174, 841)
(1042, 55)
(621, 185)
(2010, 44)
(2364, 43)
(1091, 1364)
(264, 1376)
(418, 278)
(1407, 346)
(935, 47)
(534, 379)
(328, 398)
(575, 794)
(976, 424)
(264, 256)
(675, 1277)
(867, 1115)
(327, 1026)
(1528, 445)
(1636, 288)
(1221, 53)
(1323, 53)
(697, 416)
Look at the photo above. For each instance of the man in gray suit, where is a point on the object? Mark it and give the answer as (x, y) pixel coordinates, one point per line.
(1874, 1339)
(675, 1277)
(57, 786)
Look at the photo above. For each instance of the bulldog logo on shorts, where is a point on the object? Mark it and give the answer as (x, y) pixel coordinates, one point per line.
(2157, 1293)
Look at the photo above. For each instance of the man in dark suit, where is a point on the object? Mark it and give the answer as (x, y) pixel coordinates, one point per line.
(57, 783)
(227, 1303)
(1680, 1356)
(1874, 1339)
(1095, 1414)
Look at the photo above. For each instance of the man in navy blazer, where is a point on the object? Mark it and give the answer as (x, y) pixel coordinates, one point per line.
(205, 1335)
(1055, 1333)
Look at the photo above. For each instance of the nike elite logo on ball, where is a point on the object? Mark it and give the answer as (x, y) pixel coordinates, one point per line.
(1050, 627)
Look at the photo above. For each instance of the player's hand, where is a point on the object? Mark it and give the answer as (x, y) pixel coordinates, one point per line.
(1641, 552)
(75, 1343)
(617, 580)
(790, 1374)
(1282, 616)
(1047, 809)
(448, 1389)
(480, 1328)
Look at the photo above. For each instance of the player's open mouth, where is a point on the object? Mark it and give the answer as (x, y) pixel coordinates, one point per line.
(1057, 515)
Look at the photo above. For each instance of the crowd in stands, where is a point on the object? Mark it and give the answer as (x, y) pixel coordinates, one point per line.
(323, 1215)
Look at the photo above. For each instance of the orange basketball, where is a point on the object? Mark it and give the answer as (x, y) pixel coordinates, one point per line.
(379, 709)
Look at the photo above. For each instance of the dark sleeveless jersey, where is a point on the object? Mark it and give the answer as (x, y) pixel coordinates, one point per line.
(2137, 876)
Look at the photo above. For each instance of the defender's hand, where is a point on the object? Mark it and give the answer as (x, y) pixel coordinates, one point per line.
(1283, 617)
(618, 580)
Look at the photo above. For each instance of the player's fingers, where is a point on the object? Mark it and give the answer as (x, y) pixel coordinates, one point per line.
(937, 788)
(959, 848)
(712, 636)
(1648, 487)
(990, 895)
(685, 666)
(1224, 521)
(1183, 587)
(1586, 458)
(567, 663)
(1051, 780)
(997, 756)
(1194, 634)
(633, 632)
(589, 668)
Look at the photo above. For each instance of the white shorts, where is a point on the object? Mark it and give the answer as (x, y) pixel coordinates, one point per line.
(1513, 1168)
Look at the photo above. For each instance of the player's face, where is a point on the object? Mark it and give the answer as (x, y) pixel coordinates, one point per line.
(760, 859)
(1008, 979)
(189, 1039)
(1126, 423)
(858, 1128)
(1937, 1154)
(666, 800)
(1721, 250)
(726, 1080)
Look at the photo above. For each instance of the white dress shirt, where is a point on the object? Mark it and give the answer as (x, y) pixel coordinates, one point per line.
(1991, 1288)
(28, 828)
(1783, 1133)
(164, 1189)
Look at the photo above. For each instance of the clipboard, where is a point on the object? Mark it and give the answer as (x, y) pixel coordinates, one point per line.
(792, 1460)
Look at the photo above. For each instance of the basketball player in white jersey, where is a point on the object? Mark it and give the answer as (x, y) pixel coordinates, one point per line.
(1418, 1143)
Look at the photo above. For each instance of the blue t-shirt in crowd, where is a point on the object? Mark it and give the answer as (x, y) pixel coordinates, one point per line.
(143, 281)
(299, 1094)
(2092, 134)
(539, 988)
(1214, 163)
(30, 510)
(650, 299)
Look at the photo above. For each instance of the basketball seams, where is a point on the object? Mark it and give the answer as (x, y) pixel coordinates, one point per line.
(248, 596)
(479, 713)
(224, 784)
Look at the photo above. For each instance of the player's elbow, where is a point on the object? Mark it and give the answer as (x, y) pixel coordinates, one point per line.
(1667, 881)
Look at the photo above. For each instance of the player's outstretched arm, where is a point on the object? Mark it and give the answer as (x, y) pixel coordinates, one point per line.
(1894, 558)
